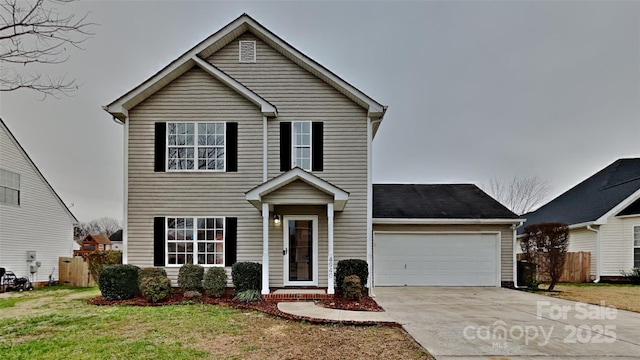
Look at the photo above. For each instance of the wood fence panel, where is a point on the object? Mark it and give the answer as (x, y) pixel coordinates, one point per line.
(577, 268)
(74, 272)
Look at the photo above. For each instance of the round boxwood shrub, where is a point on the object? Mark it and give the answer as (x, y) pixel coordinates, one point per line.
(190, 277)
(352, 267)
(152, 272)
(155, 288)
(246, 276)
(215, 281)
(118, 282)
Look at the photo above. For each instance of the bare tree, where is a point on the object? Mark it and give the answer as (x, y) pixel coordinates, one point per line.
(103, 226)
(520, 195)
(34, 33)
(547, 245)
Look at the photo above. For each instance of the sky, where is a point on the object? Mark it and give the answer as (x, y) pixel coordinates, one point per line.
(475, 90)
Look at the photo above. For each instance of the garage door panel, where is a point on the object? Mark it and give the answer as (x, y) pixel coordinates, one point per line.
(435, 259)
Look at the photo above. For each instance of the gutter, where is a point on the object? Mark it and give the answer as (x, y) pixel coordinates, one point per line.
(598, 251)
(514, 228)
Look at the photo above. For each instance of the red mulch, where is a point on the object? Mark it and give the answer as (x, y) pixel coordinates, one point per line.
(267, 307)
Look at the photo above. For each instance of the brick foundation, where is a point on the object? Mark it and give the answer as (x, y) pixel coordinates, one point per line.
(295, 297)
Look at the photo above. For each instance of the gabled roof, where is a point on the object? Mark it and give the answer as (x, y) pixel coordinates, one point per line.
(119, 108)
(97, 238)
(116, 236)
(436, 201)
(606, 193)
(254, 196)
(35, 168)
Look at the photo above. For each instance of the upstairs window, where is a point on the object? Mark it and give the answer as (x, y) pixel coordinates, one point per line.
(9, 187)
(301, 141)
(198, 146)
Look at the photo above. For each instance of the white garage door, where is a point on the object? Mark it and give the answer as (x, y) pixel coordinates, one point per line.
(435, 259)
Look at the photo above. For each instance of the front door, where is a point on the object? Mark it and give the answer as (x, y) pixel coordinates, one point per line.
(300, 250)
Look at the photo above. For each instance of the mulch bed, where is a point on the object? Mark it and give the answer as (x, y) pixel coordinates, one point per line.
(267, 307)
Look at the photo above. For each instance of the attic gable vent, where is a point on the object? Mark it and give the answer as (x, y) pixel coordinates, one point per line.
(247, 52)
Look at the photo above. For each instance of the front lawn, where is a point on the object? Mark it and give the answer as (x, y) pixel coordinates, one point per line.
(61, 325)
(625, 297)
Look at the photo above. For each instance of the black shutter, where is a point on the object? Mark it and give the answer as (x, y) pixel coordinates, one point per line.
(161, 146)
(232, 146)
(285, 146)
(317, 146)
(230, 241)
(158, 241)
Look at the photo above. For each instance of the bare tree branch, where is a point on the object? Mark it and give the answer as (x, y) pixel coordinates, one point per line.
(103, 226)
(34, 32)
(520, 195)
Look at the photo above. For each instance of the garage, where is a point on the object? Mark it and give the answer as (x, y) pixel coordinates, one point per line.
(436, 259)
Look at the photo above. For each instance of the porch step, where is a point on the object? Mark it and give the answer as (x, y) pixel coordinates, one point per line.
(297, 295)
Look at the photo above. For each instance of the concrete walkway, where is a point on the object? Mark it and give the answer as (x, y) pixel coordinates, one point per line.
(311, 310)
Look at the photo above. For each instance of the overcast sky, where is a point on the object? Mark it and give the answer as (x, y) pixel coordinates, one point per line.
(474, 89)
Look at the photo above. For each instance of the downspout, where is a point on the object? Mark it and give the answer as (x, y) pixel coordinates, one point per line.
(370, 124)
(514, 228)
(598, 250)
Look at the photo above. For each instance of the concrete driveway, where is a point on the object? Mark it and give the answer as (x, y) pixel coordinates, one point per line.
(480, 323)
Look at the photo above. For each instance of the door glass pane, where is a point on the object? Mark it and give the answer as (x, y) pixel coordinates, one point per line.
(301, 250)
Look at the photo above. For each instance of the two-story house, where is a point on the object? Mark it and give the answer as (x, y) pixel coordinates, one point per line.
(245, 149)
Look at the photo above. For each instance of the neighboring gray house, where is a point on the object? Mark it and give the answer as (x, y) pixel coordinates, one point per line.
(603, 213)
(35, 225)
(116, 240)
(245, 149)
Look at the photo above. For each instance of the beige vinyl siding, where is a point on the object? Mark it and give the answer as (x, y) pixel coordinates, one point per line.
(506, 239)
(300, 96)
(583, 239)
(40, 223)
(298, 192)
(195, 96)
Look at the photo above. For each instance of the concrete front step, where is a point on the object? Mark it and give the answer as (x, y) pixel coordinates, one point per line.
(297, 295)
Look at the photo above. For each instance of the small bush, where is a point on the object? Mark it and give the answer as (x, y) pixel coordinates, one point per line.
(246, 276)
(633, 276)
(248, 295)
(215, 281)
(155, 288)
(192, 296)
(190, 277)
(152, 272)
(118, 282)
(99, 259)
(352, 267)
(351, 287)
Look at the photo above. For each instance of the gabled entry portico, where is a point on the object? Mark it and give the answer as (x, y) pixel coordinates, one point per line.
(296, 198)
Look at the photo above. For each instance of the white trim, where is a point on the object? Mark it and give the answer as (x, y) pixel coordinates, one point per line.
(285, 261)
(515, 254)
(445, 221)
(195, 146)
(254, 196)
(195, 242)
(498, 235)
(294, 146)
(265, 150)
(627, 216)
(602, 220)
(125, 221)
(255, 51)
(331, 289)
(265, 249)
(370, 264)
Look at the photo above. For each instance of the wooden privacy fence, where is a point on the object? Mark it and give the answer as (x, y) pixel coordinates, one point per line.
(74, 271)
(577, 268)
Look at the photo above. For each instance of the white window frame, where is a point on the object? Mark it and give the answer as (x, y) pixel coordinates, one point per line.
(634, 246)
(285, 256)
(195, 146)
(195, 241)
(6, 187)
(255, 52)
(294, 146)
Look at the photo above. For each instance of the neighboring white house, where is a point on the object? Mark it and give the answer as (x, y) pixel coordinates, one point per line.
(36, 227)
(603, 213)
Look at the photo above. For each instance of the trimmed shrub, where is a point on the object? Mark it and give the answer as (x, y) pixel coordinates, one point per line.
(152, 272)
(155, 288)
(352, 267)
(351, 287)
(215, 281)
(190, 277)
(99, 259)
(633, 276)
(118, 282)
(248, 296)
(246, 276)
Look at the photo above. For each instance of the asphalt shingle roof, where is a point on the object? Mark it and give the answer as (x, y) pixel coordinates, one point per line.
(593, 197)
(436, 201)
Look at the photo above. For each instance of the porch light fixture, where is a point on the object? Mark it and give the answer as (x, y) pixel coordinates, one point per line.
(276, 219)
